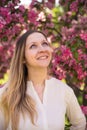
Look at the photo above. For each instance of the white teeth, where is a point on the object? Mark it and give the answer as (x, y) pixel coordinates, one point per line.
(42, 57)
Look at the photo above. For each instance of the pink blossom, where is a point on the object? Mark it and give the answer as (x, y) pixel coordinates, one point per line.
(83, 36)
(2, 23)
(68, 34)
(86, 95)
(16, 30)
(1, 48)
(74, 6)
(60, 74)
(72, 62)
(66, 53)
(22, 8)
(86, 44)
(79, 70)
(51, 25)
(4, 11)
(16, 2)
(33, 3)
(80, 54)
(84, 109)
(80, 74)
(49, 5)
(15, 16)
(11, 5)
(49, 16)
(8, 19)
(52, 1)
(41, 17)
(32, 15)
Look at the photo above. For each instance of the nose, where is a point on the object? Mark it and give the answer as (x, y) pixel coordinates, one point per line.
(41, 48)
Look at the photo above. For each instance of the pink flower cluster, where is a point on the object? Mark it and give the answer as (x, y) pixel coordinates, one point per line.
(84, 37)
(2, 23)
(74, 6)
(73, 35)
(63, 62)
(61, 58)
(84, 109)
(7, 49)
(68, 34)
(32, 16)
(10, 20)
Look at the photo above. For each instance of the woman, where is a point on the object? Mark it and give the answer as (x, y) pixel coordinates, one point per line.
(32, 99)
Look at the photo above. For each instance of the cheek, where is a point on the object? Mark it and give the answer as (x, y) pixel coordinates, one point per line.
(26, 55)
(50, 51)
(51, 54)
(29, 56)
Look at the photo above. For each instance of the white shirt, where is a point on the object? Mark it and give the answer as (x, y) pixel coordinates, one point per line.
(58, 100)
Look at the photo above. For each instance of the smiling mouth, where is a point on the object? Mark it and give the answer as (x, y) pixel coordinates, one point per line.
(42, 58)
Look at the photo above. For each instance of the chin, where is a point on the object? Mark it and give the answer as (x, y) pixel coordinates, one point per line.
(44, 66)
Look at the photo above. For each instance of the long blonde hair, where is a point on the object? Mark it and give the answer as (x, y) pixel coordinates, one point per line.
(15, 99)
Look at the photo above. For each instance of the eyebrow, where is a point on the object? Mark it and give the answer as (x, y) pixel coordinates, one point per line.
(37, 42)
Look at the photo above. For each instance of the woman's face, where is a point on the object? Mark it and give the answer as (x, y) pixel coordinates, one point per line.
(38, 52)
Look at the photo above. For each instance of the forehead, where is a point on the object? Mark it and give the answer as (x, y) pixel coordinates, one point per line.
(35, 37)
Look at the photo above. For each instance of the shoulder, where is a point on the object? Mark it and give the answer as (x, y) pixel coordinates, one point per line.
(61, 85)
(64, 90)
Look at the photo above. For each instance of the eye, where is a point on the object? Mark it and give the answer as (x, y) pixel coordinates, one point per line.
(33, 46)
(45, 44)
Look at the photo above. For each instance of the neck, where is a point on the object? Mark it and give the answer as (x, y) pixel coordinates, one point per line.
(37, 76)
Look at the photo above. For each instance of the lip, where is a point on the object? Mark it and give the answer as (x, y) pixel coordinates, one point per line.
(43, 57)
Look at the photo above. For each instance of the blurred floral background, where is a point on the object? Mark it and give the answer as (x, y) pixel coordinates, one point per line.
(65, 24)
